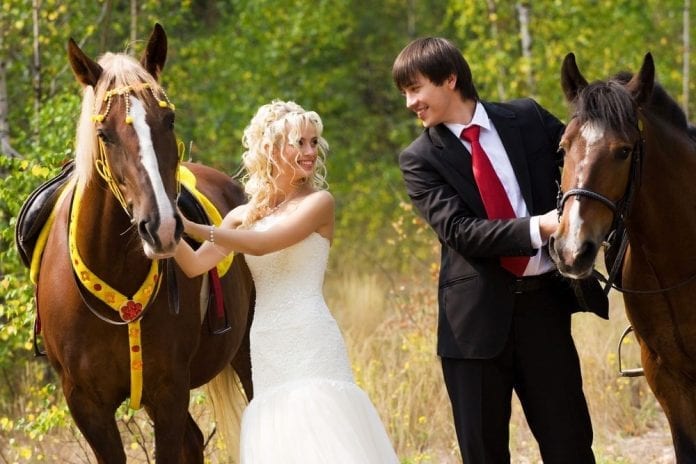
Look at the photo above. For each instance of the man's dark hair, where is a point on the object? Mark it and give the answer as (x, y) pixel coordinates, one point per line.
(435, 58)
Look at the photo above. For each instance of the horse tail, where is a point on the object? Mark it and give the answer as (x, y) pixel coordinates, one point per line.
(228, 400)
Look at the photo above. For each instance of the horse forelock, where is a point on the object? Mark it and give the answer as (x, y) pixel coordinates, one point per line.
(607, 104)
(119, 70)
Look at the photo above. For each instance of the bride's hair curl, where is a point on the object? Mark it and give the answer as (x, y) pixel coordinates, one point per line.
(275, 126)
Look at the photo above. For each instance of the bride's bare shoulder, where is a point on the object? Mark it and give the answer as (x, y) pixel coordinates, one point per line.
(321, 199)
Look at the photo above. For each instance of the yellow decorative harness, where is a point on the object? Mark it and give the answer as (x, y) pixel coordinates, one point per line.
(131, 309)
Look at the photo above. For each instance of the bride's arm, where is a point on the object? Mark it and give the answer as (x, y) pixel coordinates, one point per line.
(209, 254)
(314, 213)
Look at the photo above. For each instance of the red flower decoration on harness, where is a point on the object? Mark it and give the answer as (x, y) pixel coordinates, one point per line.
(131, 310)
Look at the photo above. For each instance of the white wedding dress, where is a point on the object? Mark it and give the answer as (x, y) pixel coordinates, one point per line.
(306, 407)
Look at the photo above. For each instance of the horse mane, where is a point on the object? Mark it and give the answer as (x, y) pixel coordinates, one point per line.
(119, 70)
(609, 103)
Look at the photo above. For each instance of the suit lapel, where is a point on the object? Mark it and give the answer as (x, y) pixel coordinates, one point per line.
(456, 166)
(509, 132)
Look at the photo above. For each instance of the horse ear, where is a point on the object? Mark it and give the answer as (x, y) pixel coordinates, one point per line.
(572, 80)
(642, 83)
(86, 70)
(156, 52)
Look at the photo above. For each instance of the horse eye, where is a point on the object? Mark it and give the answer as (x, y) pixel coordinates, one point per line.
(560, 151)
(624, 153)
(101, 133)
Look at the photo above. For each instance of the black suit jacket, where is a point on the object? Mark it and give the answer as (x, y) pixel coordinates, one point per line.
(475, 295)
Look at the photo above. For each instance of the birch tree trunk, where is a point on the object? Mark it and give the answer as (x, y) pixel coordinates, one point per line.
(500, 81)
(36, 71)
(685, 58)
(526, 41)
(5, 146)
(133, 23)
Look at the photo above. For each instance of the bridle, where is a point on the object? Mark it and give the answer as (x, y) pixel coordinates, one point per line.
(621, 207)
(130, 308)
(619, 211)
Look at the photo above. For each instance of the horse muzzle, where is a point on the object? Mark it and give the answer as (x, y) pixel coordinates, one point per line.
(574, 259)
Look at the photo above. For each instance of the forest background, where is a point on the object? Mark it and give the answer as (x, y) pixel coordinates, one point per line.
(226, 58)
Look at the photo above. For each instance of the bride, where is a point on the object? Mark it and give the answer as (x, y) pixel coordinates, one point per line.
(307, 407)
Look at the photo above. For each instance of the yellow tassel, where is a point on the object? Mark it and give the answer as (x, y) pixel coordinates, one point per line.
(162, 103)
(129, 119)
(97, 117)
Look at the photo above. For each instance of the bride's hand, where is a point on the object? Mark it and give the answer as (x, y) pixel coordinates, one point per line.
(192, 229)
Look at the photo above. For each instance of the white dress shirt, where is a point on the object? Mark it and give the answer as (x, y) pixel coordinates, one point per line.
(493, 146)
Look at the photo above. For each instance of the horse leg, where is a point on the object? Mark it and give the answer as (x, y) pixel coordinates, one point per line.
(192, 451)
(170, 417)
(678, 400)
(96, 421)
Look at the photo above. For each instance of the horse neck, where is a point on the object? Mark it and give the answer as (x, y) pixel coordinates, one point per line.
(662, 213)
(106, 239)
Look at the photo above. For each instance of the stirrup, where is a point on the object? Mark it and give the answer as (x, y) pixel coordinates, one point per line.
(635, 372)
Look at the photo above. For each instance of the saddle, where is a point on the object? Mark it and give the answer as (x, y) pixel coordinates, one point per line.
(36, 210)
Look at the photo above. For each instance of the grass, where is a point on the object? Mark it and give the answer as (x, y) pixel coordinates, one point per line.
(390, 331)
(389, 327)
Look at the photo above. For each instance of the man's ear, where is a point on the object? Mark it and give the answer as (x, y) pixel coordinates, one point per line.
(452, 81)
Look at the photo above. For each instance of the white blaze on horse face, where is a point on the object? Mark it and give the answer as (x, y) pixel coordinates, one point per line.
(149, 159)
(591, 133)
(574, 239)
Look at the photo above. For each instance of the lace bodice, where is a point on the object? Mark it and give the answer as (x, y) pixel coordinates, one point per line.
(293, 335)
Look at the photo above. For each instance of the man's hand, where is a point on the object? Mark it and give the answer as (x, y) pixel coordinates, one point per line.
(548, 223)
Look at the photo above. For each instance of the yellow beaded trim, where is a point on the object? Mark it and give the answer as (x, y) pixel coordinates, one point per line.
(126, 91)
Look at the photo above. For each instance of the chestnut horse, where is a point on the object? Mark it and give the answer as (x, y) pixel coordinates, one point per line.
(629, 165)
(107, 297)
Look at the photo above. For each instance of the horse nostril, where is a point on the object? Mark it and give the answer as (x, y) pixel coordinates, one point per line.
(588, 250)
(148, 231)
(142, 228)
(586, 254)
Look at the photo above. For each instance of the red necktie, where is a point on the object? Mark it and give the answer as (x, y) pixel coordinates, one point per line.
(495, 200)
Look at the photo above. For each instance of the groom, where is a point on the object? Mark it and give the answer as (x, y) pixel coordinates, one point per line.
(483, 175)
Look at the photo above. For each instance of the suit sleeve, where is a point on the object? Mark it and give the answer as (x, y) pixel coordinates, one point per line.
(454, 222)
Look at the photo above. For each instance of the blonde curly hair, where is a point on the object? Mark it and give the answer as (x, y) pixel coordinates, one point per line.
(275, 126)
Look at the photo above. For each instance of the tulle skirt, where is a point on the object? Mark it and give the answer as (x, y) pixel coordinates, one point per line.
(314, 421)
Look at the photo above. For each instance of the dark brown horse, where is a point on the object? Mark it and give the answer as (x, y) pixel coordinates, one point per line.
(630, 164)
(108, 327)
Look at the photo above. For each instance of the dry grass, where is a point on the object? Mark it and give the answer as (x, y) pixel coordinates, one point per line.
(389, 327)
(390, 331)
